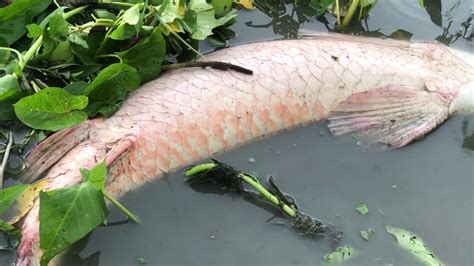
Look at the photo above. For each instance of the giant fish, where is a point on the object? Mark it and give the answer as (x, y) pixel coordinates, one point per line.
(392, 92)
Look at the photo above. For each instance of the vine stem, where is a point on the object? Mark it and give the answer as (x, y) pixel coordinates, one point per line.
(350, 13)
(122, 208)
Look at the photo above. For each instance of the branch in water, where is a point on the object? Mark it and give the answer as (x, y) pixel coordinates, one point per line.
(212, 64)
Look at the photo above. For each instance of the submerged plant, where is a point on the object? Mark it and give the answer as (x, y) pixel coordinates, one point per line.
(233, 180)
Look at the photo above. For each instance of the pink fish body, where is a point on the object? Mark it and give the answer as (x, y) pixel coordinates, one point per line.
(393, 92)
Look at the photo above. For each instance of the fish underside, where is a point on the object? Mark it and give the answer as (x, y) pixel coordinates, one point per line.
(392, 92)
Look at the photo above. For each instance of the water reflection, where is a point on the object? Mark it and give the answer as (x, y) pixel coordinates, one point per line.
(288, 16)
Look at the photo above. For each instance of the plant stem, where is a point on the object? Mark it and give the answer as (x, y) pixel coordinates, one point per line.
(350, 13)
(338, 13)
(122, 208)
(199, 168)
(5, 157)
(18, 54)
(267, 195)
(211, 64)
(74, 12)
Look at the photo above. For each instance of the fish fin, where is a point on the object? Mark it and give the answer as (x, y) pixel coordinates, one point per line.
(48, 152)
(393, 115)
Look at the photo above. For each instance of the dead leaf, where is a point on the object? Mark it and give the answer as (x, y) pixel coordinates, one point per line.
(247, 4)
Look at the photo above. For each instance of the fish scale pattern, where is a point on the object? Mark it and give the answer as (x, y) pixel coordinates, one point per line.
(190, 114)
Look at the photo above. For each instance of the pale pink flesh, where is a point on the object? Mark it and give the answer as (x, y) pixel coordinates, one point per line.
(191, 114)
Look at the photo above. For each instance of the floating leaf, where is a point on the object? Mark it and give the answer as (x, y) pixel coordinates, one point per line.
(367, 234)
(362, 208)
(340, 255)
(67, 215)
(415, 245)
(51, 109)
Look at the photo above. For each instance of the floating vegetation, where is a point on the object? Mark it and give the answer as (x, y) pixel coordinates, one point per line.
(231, 179)
(340, 255)
(362, 208)
(415, 245)
(368, 233)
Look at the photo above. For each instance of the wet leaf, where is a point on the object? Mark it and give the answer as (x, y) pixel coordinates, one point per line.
(96, 175)
(51, 109)
(222, 7)
(9, 88)
(123, 31)
(15, 17)
(147, 56)
(415, 245)
(367, 234)
(169, 11)
(132, 15)
(200, 5)
(67, 215)
(202, 23)
(340, 255)
(58, 27)
(362, 208)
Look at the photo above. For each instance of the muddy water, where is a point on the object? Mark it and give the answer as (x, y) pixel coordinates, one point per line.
(426, 188)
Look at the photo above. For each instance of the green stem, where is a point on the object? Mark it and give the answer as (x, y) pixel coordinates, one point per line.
(350, 13)
(267, 195)
(110, 55)
(338, 13)
(122, 208)
(18, 54)
(199, 169)
(5, 157)
(74, 12)
(168, 28)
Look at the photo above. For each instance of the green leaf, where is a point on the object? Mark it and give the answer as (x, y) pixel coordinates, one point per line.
(15, 17)
(107, 91)
(34, 30)
(58, 27)
(340, 255)
(78, 38)
(321, 6)
(62, 52)
(4, 56)
(5, 227)
(76, 88)
(201, 5)
(67, 215)
(422, 3)
(123, 31)
(415, 245)
(222, 7)
(9, 88)
(9, 195)
(203, 23)
(169, 11)
(367, 234)
(362, 208)
(132, 15)
(51, 109)
(96, 176)
(147, 56)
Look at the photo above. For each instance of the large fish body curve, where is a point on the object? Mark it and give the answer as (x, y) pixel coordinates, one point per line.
(190, 114)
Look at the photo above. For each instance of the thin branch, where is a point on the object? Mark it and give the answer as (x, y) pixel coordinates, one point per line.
(211, 64)
(5, 157)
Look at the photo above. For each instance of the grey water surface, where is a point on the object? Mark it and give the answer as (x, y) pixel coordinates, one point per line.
(426, 188)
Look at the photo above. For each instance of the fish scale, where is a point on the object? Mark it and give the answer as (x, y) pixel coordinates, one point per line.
(190, 114)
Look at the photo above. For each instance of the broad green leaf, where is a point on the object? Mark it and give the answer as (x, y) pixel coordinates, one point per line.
(58, 27)
(9, 195)
(362, 208)
(96, 176)
(132, 15)
(169, 11)
(78, 38)
(34, 30)
(203, 23)
(202, 5)
(100, 13)
(123, 31)
(15, 17)
(415, 245)
(51, 109)
(4, 56)
(367, 234)
(67, 215)
(107, 91)
(9, 88)
(340, 255)
(147, 56)
(76, 88)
